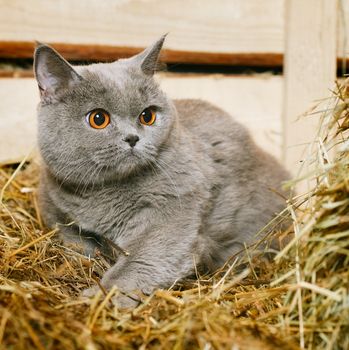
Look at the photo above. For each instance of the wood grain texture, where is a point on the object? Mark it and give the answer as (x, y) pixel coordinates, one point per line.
(87, 52)
(253, 100)
(231, 32)
(309, 68)
(221, 26)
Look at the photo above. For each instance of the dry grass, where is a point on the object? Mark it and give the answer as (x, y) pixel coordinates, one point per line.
(319, 307)
(300, 299)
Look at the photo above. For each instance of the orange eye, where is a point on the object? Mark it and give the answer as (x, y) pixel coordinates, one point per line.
(98, 119)
(147, 117)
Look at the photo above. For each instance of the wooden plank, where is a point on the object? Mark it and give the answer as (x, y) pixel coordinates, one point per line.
(309, 68)
(343, 35)
(223, 27)
(254, 100)
(18, 100)
(23, 49)
(17, 72)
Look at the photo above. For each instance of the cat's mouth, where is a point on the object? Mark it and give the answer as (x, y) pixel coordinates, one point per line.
(130, 153)
(124, 159)
(122, 166)
(114, 155)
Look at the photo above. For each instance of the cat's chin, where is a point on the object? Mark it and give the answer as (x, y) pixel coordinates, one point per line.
(100, 171)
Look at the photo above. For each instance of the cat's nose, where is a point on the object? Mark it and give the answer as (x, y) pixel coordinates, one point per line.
(131, 140)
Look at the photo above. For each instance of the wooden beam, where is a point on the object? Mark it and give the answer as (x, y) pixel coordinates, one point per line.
(23, 49)
(343, 36)
(309, 69)
(16, 73)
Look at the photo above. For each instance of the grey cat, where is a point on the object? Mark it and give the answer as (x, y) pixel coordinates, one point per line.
(174, 183)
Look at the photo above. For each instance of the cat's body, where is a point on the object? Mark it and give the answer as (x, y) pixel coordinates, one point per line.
(193, 192)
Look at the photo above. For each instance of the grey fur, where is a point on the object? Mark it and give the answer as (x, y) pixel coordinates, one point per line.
(195, 187)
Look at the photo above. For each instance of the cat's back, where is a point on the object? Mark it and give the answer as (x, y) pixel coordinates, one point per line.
(246, 181)
(207, 121)
(228, 143)
(216, 132)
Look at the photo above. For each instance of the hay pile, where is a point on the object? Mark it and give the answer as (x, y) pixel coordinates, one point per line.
(319, 307)
(299, 299)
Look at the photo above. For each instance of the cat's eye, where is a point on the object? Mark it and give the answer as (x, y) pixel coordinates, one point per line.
(98, 118)
(147, 117)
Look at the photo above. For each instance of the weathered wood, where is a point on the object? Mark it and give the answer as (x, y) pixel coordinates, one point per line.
(254, 100)
(16, 73)
(227, 32)
(199, 31)
(18, 100)
(343, 35)
(309, 68)
(23, 49)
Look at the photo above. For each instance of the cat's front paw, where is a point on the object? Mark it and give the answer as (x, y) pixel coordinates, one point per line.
(121, 300)
(125, 302)
(90, 292)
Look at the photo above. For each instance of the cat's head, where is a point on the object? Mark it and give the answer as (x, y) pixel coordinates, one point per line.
(101, 121)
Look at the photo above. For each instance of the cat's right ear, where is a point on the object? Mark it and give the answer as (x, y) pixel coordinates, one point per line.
(52, 71)
(149, 58)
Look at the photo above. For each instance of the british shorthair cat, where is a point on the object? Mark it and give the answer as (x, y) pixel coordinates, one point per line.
(174, 183)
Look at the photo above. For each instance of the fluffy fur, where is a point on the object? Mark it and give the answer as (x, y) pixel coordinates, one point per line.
(194, 189)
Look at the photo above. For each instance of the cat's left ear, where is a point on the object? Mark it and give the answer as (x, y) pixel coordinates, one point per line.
(149, 58)
(52, 72)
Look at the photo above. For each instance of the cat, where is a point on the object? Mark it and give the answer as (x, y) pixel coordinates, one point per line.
(174, 183)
